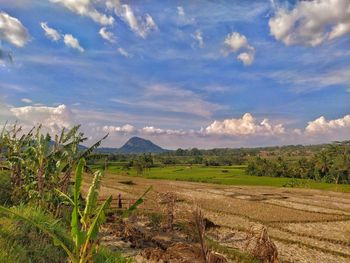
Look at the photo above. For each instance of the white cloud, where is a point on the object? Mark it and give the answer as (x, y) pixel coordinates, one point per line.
(199, 38)
(142, 26)
(311, 22)
(53, 118)
(123, 52)
(72, 42)
(86, 8)
(50, 32)
(247, 125)
(180, 11)
(109, 36)
(235, 42)
(183, 18)
(323, 126)
(150, 130)
(26, 100)
(127, 128)
(12, 30)
(246, 58)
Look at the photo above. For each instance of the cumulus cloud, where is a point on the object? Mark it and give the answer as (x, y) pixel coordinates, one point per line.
(53, 118)
(109, 36)
(247, 125)
(86, 8)
(141, 25)
(12, 30)
(246, 58)
(26, 100)
(51, 33)
(199, 38)
(311, 22)
(323, 126)
(72, 42)
(235, 42)
(123, 52)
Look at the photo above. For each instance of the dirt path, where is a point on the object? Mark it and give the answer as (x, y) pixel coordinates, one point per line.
(306, 225)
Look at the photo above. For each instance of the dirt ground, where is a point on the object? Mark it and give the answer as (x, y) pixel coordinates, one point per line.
(306, 225)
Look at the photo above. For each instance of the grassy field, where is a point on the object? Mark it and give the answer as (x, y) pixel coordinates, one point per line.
(226, 175)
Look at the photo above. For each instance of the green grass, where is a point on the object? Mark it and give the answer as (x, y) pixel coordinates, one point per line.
(21, 242)
(227, 175)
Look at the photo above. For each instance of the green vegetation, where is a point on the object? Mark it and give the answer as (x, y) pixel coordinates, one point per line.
(227, 175)
(331, 165)
(325, 166)
(36, 172)
(20, 241)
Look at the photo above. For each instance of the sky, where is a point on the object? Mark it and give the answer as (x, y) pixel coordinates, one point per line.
(182, 73)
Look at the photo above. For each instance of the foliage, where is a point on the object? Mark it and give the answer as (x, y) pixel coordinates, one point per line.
(85, 223)
(38, 164)
(20, 241)
(331, 165)
(5, 188)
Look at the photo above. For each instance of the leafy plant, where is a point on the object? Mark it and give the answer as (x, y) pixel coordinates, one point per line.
(85, 224)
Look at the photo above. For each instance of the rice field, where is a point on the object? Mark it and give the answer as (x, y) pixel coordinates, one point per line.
(307, 225)
(226, 175)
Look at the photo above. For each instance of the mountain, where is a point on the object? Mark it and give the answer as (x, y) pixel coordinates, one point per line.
(139, 145)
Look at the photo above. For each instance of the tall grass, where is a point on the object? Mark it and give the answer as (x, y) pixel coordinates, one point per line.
(20, 241)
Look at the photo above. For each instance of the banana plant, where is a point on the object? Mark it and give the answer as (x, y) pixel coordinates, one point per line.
(85, 223)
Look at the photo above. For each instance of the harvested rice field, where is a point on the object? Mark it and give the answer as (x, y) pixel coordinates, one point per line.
(306, 225)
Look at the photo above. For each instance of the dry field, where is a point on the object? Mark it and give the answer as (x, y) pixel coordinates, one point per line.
(306, 225)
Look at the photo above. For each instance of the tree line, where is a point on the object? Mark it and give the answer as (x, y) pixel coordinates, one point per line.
(330, 164)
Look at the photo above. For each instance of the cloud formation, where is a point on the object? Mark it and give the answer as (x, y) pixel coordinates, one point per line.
(26, 100)
(123, 52)
(311, 22)
(180, 11)
(198, 36)
(51, 33)
(86, 8)
(109, 36)
(246, 130)
(235, 42)
(323, 126)
(127, 128)
(72, 42)
(141, 25)
(53, 118)
(247, 125)
(12, 30)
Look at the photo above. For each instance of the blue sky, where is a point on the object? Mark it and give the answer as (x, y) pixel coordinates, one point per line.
(182, 73)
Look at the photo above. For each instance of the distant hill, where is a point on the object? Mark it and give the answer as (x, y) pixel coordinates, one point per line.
(133, 145)
(139, 145)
